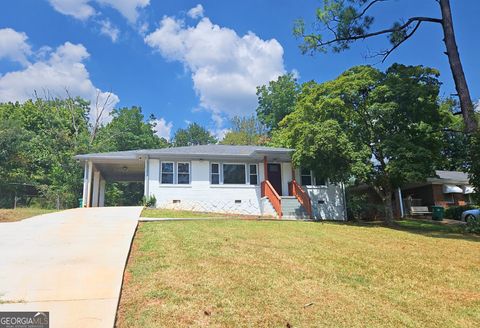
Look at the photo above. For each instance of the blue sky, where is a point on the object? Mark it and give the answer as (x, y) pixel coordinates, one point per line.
(186, 61)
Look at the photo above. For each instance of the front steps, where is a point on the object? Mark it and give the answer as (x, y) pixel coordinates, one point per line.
(291, 209)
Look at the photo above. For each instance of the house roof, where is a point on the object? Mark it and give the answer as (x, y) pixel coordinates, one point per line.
(455, 177)
(195, 152)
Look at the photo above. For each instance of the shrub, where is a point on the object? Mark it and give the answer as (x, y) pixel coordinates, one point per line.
(455, 212)
(151, 201)
(473, 225)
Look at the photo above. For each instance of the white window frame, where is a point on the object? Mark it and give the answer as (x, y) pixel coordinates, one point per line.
(313, 179)
(189, 173)
(245, 166)
(218, 173)
(161, 172)
(249, 174)
(302, 175)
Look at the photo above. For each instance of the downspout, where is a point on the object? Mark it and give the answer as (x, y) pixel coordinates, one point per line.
(345, 218)
(400, 200)
(147, 177)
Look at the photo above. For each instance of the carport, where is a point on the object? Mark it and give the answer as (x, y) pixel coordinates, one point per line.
(113, 167)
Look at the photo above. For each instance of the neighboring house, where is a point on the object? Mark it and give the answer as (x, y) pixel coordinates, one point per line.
(217, 178)
(447, 188)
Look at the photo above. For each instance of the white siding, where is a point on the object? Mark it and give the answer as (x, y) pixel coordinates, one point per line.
(328, 202)
(200, 195)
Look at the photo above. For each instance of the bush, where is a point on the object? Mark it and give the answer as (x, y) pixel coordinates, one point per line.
(473, 225)
(360, 208)
(151, 201)
(455, 212)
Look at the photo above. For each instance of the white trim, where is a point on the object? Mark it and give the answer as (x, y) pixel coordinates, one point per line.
(256, 173)
(161, 173)
(245, 166)
(189, 173)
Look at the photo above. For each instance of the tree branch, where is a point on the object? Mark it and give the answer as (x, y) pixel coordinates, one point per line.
(385, 31)
(399, 43)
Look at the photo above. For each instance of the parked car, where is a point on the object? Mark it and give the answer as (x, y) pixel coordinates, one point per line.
(471, 214)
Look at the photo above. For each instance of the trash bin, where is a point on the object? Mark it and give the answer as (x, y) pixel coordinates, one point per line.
(438, 212)
(80, 202)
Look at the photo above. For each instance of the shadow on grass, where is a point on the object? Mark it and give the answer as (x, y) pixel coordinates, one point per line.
(421, 227)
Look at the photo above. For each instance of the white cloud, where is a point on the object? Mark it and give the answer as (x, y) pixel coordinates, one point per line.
(225, 68)
(196, 12)
(108, 29)
(14, 46)
(52, 75)
(82, 9)
(128, 8)
(162, 128)
(219, 133)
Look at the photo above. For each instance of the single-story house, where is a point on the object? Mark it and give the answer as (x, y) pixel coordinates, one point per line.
(251, 180)
(446, 188)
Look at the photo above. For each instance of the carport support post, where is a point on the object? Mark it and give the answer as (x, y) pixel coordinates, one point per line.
(101, 197)
(96, 188)
(89, 185)
(265, 168)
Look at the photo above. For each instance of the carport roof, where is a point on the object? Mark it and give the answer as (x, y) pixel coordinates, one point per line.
(195, 152)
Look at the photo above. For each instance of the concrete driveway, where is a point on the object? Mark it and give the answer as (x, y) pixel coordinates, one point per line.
(69, 263)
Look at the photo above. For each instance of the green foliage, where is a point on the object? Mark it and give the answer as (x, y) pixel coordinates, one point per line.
(123, 193)
(455, 140)
(455, 212)
(382, 128)
(245, 131)
(473, 225)
(345, 19)
(276, 100)
(38, 140)
(48, 135)
(128, 130)
(193, 135)
(149, 201)
(360, 208)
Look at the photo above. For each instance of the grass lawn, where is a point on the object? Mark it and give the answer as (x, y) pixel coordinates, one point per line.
(10, 215)
(233, 273)
(181, 214)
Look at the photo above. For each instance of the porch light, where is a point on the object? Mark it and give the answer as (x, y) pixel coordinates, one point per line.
(125, 169)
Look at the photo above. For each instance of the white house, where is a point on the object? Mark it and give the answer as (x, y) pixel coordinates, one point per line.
(217, 178)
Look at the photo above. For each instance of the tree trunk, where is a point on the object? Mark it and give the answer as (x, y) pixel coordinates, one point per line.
(385, 194)
(387, 203)
(456, 67)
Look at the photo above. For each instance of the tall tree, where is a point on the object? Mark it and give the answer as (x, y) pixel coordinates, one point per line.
(128, 130)
(342, 22)
(276, 100)
(246, 131)
(193, 135)
(385, 129)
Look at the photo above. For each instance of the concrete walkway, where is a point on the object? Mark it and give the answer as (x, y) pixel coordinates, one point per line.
(69, 263)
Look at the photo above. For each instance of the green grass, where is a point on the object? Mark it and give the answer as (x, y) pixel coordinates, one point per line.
(12, 215)
(181, 214)
(231, 273)
(429, 226)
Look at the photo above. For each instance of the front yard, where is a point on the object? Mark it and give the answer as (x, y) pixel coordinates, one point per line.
(299, 274)
(12, 215)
